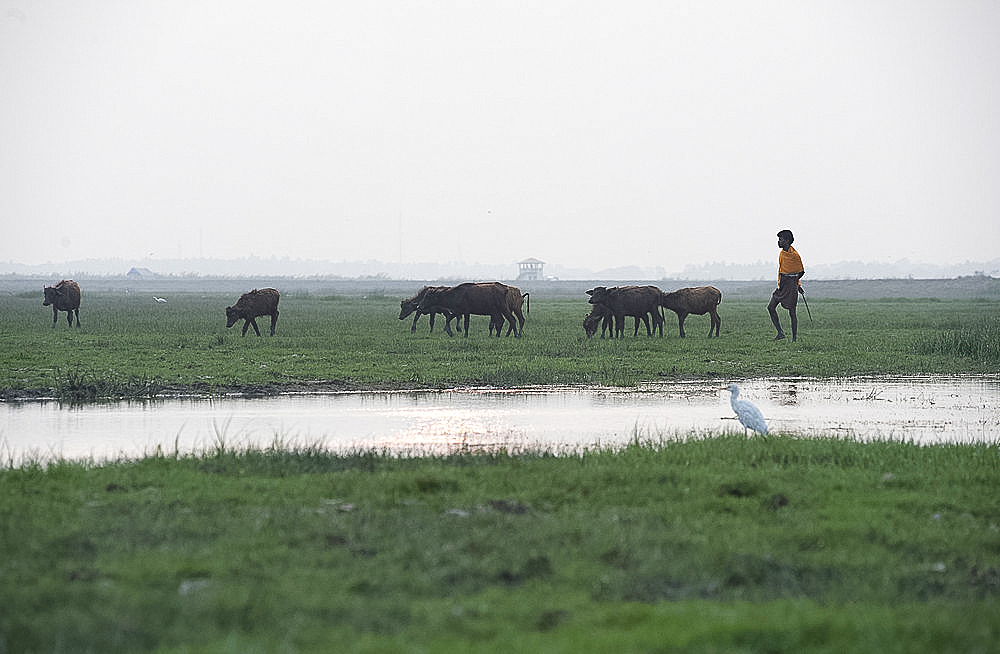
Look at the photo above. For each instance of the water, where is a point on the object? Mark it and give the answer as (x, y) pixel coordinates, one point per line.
(923, 410)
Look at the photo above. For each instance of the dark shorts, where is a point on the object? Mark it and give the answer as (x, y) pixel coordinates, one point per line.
(787, 295)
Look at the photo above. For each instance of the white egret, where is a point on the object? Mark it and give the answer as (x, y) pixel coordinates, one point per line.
(159, 299)
(749, 415)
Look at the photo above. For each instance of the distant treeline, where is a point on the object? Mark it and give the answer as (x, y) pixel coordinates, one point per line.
(285, 267)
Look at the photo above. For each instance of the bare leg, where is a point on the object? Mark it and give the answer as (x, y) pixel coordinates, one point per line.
(772, 309)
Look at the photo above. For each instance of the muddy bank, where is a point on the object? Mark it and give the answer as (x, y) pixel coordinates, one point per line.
(206, 391)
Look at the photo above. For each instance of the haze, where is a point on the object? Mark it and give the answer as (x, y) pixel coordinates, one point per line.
(581, 133)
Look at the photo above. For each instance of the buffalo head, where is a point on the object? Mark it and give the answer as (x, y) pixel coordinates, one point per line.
(598, 294)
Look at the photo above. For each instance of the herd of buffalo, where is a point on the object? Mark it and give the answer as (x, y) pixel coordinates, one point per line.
(502, 303)
(610, 307)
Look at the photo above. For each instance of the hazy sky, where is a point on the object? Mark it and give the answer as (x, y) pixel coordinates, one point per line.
(581, 133)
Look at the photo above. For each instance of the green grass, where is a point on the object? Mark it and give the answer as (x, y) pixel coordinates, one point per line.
(131, 347)
(979, 342)
(720, 544)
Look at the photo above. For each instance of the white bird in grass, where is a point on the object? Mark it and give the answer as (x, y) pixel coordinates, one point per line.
(159, 299)
(749, 415)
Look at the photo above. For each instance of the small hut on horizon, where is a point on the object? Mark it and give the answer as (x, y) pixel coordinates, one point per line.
(530, 269)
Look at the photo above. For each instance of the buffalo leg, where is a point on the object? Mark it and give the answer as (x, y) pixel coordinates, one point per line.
(467, 316)
(413, 327)
(645, 321)
(499, 321)
(680, 322)
(715, 324)
(55, 317)
(619, 325)
(252, 322)
(77, 312)
(274, 322)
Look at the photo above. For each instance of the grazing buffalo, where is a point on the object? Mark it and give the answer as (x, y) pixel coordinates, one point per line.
(258, 302)
(412, 305)
(64, 296)
(699, 301)
(601, 316)
(640, 302)
(483, 299)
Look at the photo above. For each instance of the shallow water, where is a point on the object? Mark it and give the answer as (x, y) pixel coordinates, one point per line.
(923, 410)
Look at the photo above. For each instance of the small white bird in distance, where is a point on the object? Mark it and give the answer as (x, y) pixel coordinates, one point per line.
(749, 415)
(159, 299)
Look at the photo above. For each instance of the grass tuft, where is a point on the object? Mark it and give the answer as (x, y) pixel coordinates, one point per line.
(78, 386)
(980, 342)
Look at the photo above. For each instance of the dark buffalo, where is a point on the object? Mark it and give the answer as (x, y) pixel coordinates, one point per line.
(601, 316)
(640, 302)
(483, 299)
(258, 302)
(412, 305)
(699, 301)
(64, 296)
(515, 300)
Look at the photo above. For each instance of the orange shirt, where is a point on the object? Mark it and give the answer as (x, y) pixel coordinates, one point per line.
(789, 262)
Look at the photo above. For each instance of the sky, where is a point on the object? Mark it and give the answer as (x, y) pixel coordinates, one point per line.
(582, 133)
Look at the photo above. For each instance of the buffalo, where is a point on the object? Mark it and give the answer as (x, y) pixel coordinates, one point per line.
(412, 305)
(699, 301)
(515, 300)
(601, 316)
(481, 299)
(64, 296)
(258, 302)
(639, 302)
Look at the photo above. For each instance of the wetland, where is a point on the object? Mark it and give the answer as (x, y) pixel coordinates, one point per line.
(449, 527)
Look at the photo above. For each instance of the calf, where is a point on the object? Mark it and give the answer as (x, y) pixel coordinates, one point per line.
(699, 301)
(600, 315)
(637, 301)
(412, 305)
(64, 296)
(258, 302)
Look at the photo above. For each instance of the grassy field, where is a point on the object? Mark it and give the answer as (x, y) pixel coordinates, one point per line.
(725, 544)
(714, 544)
(130, 346)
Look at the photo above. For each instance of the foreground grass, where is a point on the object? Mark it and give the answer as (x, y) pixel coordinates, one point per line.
(718, 544)
(131, 347)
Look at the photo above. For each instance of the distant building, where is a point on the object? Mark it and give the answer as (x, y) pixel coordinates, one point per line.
(530, 269)
(141, 273)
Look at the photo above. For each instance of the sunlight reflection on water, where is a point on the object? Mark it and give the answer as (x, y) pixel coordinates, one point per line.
(924, 410)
